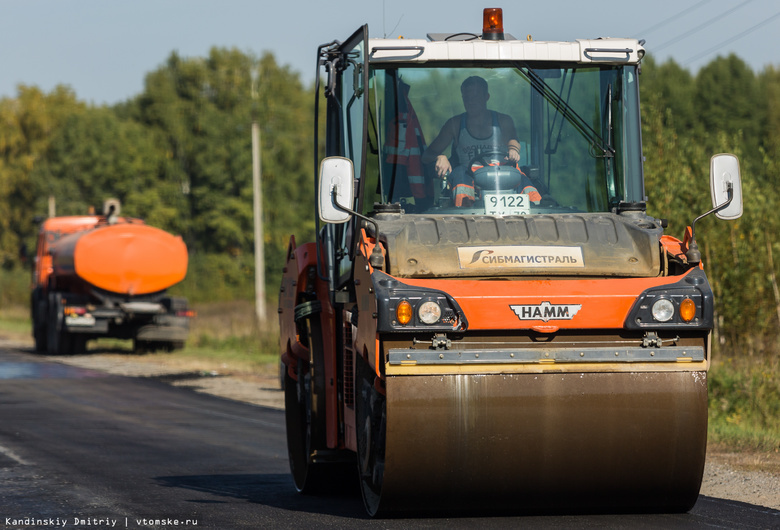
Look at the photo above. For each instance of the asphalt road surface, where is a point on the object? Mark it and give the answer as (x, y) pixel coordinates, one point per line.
(84, 449)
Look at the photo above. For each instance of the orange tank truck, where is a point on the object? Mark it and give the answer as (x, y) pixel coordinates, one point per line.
(107, 276)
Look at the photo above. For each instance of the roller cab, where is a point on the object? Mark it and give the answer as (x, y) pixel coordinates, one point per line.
(489, 320)
(107, 276)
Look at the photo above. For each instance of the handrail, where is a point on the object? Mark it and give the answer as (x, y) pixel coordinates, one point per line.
(627, 51)
(418, 49)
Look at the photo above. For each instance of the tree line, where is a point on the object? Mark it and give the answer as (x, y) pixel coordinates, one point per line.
(687, 118)
(178, 155)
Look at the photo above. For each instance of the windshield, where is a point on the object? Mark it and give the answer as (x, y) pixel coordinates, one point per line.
(506, 140)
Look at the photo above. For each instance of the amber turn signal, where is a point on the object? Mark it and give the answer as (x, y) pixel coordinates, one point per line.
(403, 313)
(687, 310)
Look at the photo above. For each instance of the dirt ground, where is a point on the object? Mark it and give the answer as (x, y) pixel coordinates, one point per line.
(744, 477)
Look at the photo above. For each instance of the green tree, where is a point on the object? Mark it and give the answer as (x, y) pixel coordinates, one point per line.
(726, 100)
(200, 112)
(670, 87)
(96, 155)
(27, 123)
(769, 83)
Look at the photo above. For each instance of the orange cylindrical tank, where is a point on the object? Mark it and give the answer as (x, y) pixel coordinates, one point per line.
(125, 258)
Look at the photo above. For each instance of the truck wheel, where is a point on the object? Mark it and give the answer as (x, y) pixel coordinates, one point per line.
(38, 313)
(141, 347)
(39, 337)
(371, 423)
(78, 344)
(58, 341)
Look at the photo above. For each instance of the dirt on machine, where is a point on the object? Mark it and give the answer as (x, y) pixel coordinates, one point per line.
(99, 276)
(489, 319)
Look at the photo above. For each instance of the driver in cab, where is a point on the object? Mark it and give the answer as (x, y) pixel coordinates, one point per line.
(478, 130)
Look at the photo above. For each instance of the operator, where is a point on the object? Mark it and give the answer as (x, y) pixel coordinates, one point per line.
(476, 130)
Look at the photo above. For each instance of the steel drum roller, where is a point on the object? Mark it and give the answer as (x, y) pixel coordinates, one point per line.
(590, 441)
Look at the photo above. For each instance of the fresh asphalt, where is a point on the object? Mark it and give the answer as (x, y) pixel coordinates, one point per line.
(83, 449)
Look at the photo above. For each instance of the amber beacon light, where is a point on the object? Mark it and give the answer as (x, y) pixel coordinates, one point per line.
(492, 23)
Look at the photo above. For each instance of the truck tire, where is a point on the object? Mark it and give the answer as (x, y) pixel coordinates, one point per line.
(141, 347)
(38, 312)
(58, 340)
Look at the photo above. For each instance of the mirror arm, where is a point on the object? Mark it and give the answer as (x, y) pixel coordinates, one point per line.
(692, 254)
(376, 259)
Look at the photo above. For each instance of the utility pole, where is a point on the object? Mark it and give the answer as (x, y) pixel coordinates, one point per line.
(258, 210)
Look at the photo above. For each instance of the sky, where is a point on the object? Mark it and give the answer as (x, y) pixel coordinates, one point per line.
(103, 49)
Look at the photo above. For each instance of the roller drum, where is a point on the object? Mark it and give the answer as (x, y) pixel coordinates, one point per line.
(536, 442)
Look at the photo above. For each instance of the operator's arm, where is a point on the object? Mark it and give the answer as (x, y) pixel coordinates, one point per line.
(508, 131)
(437, 147)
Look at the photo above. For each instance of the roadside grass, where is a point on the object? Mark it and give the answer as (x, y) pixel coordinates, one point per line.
(228, 332)
(744, 399)
(224, 337)
(15, 322)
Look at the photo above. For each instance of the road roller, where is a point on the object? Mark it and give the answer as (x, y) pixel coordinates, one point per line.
(488, 319)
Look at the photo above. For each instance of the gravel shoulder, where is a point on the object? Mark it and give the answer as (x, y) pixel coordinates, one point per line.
(744, 477)
(257, 389)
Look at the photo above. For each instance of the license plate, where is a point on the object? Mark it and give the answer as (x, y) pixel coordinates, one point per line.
(80, 321)
(509, 204)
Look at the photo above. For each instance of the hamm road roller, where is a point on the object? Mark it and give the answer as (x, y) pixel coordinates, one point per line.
(107, 276)
(489, 319)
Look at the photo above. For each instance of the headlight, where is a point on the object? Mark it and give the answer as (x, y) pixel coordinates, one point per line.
(685, 304)
(429, 312)
(663, 310)
(408, 308)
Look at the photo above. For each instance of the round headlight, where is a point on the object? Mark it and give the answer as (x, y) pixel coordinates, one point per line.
(663, 310)
(429, 312)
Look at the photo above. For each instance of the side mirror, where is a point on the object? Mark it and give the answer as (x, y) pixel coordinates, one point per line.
(336, 192)
(725, 185)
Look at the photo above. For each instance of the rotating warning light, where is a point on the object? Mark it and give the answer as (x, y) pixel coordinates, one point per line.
(492, 23)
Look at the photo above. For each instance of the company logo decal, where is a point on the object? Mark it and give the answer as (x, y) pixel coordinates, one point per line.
(546, 311)
(537, 257)
(478, 254)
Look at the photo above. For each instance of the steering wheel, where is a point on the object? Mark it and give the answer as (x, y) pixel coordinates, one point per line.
(484, 158)
(501, 177)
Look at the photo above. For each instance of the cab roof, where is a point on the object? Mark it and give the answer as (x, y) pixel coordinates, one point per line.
(583, 51)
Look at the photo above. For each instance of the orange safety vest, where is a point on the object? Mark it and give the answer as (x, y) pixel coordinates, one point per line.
(404, 146)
